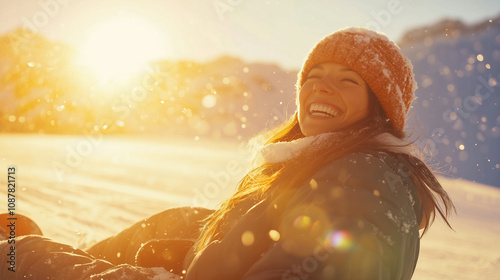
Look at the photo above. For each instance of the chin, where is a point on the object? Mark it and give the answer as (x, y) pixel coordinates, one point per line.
(314, 126)
(312, 131)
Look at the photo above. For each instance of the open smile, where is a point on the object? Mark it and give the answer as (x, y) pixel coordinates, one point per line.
(323, 110)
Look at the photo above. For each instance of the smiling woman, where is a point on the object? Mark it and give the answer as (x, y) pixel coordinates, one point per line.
(120, 47)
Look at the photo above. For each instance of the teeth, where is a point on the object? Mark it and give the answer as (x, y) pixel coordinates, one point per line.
(322, 110)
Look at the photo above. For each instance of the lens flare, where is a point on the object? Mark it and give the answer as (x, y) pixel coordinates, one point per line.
(302, 222)
(339, 239)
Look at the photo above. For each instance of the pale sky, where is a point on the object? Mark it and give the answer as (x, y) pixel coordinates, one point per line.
(278, 31)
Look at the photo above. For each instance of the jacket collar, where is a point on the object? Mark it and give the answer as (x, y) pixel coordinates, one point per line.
(284, 151)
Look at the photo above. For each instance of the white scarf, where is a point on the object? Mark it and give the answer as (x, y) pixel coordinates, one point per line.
(284, 151)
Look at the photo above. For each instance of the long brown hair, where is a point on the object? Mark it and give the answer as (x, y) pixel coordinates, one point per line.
(359, 137)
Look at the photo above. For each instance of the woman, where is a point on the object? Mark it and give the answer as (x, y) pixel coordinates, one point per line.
(340, 195)
(335, 193)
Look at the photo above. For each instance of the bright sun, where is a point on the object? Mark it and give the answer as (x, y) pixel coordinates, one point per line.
(120, 47)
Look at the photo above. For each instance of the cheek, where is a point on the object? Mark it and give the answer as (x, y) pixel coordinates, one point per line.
(366, 103)
(360, 102)
(300, 100)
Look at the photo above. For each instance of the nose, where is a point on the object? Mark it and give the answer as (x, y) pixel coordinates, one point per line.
(323, 86)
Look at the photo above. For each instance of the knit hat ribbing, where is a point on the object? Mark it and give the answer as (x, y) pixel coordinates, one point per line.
(377, 60)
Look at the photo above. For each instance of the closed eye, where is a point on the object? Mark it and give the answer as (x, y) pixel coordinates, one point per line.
(350, 80)
(313, 77)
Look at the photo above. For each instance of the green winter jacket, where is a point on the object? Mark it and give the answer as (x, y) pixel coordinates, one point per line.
(356, 218)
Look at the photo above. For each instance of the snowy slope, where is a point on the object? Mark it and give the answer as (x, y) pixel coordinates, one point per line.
(112, 182)
(45, 91)
(457, 111)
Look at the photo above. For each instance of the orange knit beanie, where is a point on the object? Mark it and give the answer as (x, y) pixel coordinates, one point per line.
(377, 60)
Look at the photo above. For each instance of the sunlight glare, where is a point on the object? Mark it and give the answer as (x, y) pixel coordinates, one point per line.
(120, 47)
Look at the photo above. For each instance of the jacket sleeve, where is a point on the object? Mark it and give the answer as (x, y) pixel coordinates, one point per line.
(354, 219)
(37, 257)
(174, 223)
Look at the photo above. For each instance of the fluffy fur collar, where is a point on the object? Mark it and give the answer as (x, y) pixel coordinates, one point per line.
(284, 151)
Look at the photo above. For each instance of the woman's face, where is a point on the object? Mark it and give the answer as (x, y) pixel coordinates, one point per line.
(332, 97)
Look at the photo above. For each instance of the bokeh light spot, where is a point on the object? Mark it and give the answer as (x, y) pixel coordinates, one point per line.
(313, 184)
(247, 238)
(274, 235)
(209, 101)
(302, 222)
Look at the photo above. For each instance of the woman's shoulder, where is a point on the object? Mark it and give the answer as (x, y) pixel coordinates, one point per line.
(365, 165)
(366, 173)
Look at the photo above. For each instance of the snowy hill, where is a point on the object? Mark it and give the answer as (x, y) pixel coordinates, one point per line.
(457, 111)
(45, 91)
(87, 202)
(451, 28)
(228, 97)
(40, 86)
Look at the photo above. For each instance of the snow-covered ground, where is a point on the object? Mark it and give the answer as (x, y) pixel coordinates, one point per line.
(83, 189)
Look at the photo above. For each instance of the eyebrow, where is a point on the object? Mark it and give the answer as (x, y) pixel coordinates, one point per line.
(320, 67)
(347, 69)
